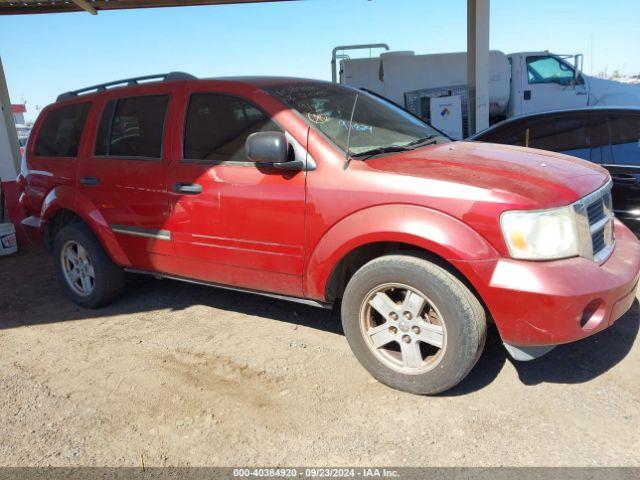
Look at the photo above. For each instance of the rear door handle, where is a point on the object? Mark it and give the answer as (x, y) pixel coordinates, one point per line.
(90, 181)
(187, 188)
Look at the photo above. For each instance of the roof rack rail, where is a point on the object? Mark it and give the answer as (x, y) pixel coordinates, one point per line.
(165, 77)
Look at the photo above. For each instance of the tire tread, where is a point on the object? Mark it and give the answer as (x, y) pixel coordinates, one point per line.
(109, 276)
(471, 313)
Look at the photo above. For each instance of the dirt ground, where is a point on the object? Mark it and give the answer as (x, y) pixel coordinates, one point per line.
(188, 375)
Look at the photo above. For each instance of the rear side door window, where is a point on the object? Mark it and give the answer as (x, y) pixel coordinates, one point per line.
(217, 127)
(512, 133)
(599, 137)
(132, 127)
(59, 135)
(625, 139)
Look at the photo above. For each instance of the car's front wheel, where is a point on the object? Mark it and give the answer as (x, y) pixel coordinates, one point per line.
(412, 324)
(84, 269)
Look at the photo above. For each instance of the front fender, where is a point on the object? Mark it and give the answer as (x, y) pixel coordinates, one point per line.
(64, 197)
(427, 229)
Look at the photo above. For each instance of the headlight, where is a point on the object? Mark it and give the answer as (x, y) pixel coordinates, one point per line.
(542, 234)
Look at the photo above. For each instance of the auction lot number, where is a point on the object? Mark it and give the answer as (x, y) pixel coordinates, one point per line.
(313, 473)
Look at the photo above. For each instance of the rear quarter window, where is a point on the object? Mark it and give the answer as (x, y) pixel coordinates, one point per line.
(60, 133)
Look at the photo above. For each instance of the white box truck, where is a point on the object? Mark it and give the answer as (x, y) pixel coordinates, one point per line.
(519, 83)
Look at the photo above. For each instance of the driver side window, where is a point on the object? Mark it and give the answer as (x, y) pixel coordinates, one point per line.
(217, 127)
(548, 69)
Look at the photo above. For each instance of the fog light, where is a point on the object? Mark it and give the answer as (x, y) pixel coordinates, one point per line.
(592, 315)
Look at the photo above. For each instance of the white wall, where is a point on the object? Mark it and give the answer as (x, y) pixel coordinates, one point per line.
(9, 149)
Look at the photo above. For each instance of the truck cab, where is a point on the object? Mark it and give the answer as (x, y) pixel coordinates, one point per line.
(543, 81)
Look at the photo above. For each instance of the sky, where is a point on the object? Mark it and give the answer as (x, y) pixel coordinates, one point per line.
(44, 55)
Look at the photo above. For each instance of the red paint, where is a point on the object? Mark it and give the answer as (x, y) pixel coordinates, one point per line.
(541, 303)
(11, 192)
(230, 233)
(285, 232)
(131, 192)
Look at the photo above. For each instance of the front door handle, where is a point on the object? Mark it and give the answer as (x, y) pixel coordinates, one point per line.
(187, 188)
(90, 181)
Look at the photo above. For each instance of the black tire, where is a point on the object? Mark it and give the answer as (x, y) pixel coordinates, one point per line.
(109, 277)
(462, 314)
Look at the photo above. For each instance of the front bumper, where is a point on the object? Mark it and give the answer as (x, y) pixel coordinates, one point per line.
(549, 303)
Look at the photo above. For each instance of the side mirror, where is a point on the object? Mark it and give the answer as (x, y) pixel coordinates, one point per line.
(271, 150)
(267, 147)
(577, 67)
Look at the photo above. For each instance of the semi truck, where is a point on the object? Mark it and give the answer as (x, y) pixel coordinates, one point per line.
(434, 86)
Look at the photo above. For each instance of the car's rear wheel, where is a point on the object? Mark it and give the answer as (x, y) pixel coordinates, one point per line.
(84, 269)
(412, 324)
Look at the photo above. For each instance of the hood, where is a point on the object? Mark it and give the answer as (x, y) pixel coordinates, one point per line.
(612, 93)
(536, 178)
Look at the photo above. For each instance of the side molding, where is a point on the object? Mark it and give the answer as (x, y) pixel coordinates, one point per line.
(142, 232)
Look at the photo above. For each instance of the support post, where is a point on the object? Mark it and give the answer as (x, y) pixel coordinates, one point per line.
(9, 147)
(478, 64)
(9, 155)
(86, 6)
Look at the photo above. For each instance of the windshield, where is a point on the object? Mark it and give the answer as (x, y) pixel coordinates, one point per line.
(355, 121)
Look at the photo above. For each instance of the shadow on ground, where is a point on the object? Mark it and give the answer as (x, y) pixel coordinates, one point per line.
(571, 363)
(34, 297)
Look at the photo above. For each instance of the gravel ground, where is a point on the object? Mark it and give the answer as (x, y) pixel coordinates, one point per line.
(184, 375)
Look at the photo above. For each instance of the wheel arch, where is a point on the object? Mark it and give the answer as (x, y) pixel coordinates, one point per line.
(377, 231)
(56, 222)
(64, 205)
(357, 258)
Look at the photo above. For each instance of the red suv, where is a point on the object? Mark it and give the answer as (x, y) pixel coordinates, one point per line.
(317, 192)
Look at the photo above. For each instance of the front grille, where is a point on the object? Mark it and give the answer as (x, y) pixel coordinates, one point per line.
(597, 239)
(597, 211)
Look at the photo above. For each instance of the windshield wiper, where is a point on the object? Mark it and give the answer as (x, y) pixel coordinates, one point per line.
(379, 150)
(422, 141)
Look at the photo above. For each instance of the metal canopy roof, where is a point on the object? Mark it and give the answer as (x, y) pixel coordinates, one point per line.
(18, 7)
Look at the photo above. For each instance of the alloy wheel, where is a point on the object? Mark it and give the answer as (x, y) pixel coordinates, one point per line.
(403, 328)
(77, 268)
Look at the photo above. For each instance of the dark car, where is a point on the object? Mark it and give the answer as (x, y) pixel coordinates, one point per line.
(607, 136)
